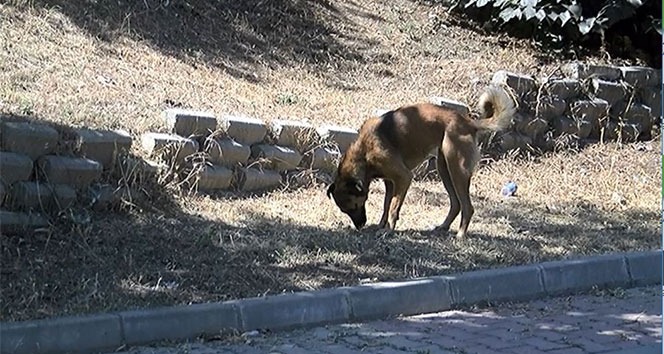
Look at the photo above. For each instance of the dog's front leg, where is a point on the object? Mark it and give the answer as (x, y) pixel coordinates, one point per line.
(389, 193)
(401, 186)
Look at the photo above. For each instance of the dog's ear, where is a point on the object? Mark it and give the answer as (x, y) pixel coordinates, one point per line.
(330, 189)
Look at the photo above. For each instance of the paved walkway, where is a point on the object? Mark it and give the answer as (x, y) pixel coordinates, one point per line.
(629, 321)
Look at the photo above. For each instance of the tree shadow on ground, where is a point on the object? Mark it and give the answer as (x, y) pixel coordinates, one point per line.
(234, 35)
(153, 252)
(130, 259)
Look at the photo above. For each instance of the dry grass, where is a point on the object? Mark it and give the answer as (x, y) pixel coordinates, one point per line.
(119, 67)
(60, 66)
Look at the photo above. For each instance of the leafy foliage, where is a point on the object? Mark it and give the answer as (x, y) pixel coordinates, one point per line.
(558, 20)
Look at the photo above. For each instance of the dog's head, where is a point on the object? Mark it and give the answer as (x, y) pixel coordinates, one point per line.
(350, 195)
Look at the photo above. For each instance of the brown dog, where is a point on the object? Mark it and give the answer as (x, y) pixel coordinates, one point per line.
(391, 146)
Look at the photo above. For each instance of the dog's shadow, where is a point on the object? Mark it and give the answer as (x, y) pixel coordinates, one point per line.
(423, 233)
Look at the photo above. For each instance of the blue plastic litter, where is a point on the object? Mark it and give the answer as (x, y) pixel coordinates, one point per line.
(509, 189)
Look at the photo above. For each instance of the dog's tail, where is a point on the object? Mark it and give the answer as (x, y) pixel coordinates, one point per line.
(496, 110)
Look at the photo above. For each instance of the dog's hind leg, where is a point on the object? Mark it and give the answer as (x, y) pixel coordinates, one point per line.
(389, 193)
(455, 207)
(461, 156)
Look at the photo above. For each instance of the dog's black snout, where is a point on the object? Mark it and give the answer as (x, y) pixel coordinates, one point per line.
(359, 224)
(359, 218)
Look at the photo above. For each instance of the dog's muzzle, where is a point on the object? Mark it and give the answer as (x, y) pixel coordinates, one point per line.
(359, 218)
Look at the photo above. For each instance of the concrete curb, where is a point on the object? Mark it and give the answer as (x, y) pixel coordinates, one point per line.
(91, 333)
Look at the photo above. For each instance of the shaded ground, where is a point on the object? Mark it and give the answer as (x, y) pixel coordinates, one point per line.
(195, 249)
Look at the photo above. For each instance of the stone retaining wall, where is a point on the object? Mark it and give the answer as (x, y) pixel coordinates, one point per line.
(209, 153)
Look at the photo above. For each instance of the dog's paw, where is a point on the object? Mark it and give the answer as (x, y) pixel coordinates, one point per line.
(378, 231)
(442, 231)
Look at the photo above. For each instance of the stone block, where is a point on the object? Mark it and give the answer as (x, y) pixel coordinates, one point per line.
(607, 131)
(645, 268)
(297, 310)
(321, 158)
(64, 196)
(629, 132)
(78, 172)
(227, 152)
(496, 285)
(563, 89)
(611, 92)
(530, 126)
(388, 299)
(545, 142)
(581, 71)
(31, 139)
(187, 123)
(592, 111)
(104, 196)
(295, 134)
(279, 158)
(340, 136)
(103, 146)
(573, 275)
(549, 107)
(169, 147)
(40, 196)
(251, 179)
(639, 76)
(460, 107)
(244, 130)
(584, 127)
(178, 322)
(565, 125)
(76, 334)
(14, 167)
(137, 169)
(513, 140)
(652, 97)
(211, 177)
(521, 84)
(18, 223)
(638, 113)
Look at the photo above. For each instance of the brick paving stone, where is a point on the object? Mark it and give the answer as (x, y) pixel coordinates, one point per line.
(401, 342)
(289, 349)
(551, 336)
(384, 350)
(459, 334)
(588, 345)
(476, 349)
(445, 342)
(518, 330)
(507, 335)
(495, 343)
(525, 349)
(570, 350)
(543, 344)
(248, 350)
(336, 349)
